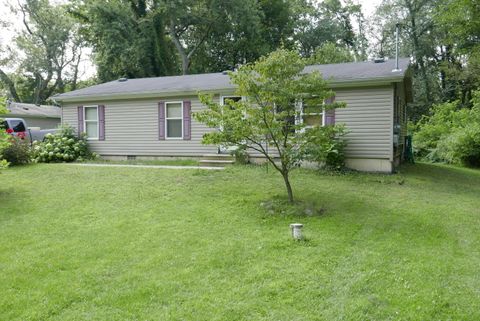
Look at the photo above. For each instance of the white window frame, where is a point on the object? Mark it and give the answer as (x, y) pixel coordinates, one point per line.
(222, 98)
(301, 114)
(91, 121)
(173, 118)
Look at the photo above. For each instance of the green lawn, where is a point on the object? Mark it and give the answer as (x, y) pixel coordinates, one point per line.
(80, 243)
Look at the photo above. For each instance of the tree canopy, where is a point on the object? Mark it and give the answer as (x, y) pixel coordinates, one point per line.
(46, 55)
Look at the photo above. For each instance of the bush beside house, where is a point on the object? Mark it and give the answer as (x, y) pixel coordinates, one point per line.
(17, 150)
(3, 137)
(63, 146)
(451, 134)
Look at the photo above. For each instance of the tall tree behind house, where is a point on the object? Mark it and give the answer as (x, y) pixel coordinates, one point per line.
(47, 53)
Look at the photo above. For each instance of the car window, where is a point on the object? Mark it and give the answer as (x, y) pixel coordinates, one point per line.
(17, 126)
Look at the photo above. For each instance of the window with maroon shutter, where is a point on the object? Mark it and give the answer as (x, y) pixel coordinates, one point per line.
(101, 122)
(161, 120)
(330, 113)
(187, 120)
(80, 128)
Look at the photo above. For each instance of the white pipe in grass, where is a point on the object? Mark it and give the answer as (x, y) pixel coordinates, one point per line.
(296, 231)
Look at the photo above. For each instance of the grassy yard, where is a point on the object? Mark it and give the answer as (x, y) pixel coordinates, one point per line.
(79, 243)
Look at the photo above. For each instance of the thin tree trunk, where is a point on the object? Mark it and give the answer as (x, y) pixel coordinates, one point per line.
(288, 186)
(185, 64)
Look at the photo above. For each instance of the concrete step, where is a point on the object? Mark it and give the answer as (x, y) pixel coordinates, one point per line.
(215, 163)
(218, 157)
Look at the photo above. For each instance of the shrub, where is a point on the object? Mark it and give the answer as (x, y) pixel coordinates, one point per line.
(451, 134)
(4, 137)
(17, 152)
(432, 129)
(63, 146)
(4, 143)
(326, 146)
(240, 154)
(3, 164)
(462, 146)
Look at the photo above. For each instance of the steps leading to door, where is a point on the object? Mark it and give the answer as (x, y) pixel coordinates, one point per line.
(216, 160)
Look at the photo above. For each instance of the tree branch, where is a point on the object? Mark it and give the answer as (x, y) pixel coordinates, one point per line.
(10, 85)
(264, 152)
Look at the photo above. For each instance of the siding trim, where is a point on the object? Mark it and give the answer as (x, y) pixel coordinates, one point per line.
(187, 120)
(80, 128)
(177, 118)
(161, 120)
(392, 116)
(329, 114)
(85, 121)
(101, 122)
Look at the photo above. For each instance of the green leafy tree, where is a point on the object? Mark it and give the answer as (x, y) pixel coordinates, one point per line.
(3, 105)
(244, 30)
(327, 21)
(442, 38)
(47, 51)
(190, 23)
(329, 53)
(460, 49)
(418, 39)
(128, 38)
(274, 86)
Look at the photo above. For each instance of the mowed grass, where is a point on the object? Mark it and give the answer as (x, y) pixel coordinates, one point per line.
(80, 243)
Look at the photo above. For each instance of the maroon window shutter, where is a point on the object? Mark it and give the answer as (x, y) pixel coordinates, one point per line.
(187, 120)
(101, 122)
(330, 113)
(80, 120)
(161, 120)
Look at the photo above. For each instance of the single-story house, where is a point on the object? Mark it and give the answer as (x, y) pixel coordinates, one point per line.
(151, 117)
(36, 116)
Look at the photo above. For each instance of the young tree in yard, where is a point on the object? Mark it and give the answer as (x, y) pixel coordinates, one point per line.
(275, 87)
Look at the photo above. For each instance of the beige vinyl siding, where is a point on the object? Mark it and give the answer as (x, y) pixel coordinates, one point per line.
(131, 128)
(369, 119)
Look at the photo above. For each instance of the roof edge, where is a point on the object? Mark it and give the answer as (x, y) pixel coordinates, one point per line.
(366, 82)
(84, 98)
(30, 115)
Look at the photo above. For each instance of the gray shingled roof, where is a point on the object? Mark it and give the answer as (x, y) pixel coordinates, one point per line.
(336, 73)
(357, 71)
(40, 111)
